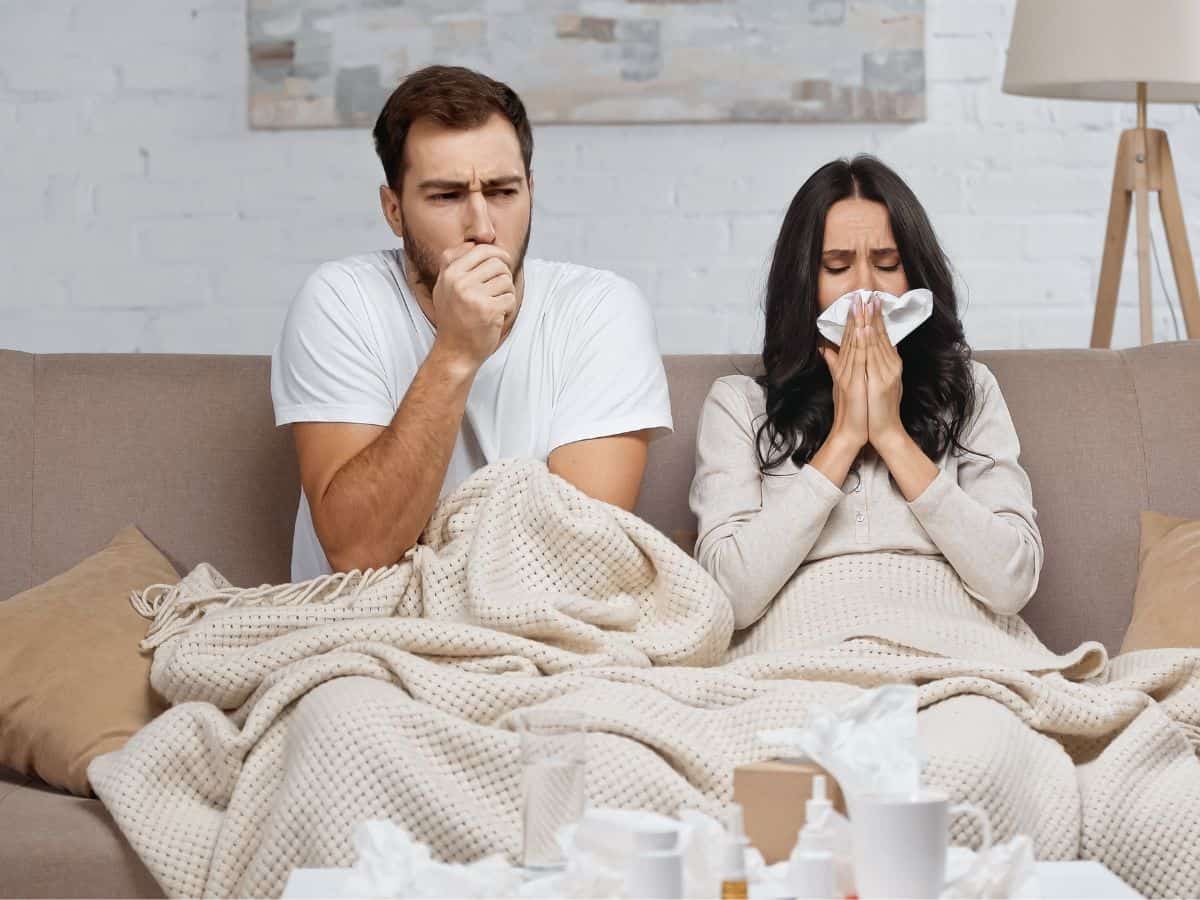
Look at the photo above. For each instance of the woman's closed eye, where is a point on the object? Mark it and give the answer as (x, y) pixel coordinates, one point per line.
(838, 270)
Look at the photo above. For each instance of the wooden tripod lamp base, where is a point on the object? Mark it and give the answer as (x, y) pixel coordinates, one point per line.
(1144, 165)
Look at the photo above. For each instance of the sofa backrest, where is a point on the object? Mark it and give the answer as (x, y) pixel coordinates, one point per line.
(184, 447)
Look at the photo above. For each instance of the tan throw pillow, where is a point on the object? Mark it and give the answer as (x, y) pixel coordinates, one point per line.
(1166, 606)
(72, 682)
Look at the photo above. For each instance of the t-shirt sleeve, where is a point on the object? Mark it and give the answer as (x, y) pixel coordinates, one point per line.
(613, 376)
(326, 367)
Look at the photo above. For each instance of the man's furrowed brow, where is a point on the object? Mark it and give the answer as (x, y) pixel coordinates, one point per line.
(443, 184)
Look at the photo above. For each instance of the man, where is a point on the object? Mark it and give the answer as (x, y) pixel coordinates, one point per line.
(403, 371)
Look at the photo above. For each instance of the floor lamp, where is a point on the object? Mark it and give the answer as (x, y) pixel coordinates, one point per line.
(1147, 51)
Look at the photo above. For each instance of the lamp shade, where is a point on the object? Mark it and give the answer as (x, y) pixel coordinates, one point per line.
(1101, 49)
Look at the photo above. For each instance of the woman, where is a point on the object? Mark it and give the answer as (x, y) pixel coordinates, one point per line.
(906, 454)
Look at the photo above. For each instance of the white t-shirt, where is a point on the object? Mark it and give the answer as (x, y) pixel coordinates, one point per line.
(581, 361)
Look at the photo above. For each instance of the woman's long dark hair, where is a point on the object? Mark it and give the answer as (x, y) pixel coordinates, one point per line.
(939, 394)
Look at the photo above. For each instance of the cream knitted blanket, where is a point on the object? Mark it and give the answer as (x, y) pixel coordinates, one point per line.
(301, 710)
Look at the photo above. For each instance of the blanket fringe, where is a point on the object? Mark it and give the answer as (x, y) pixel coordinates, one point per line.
(174, 611)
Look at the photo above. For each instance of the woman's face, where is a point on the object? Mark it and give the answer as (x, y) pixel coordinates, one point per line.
(859, 252)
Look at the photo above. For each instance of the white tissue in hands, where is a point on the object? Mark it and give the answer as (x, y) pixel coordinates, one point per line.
(869, 745)
(901, 315)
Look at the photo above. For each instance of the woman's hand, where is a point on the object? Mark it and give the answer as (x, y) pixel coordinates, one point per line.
(848, 368)
(911, 469)
(848, 435)
(885, 384)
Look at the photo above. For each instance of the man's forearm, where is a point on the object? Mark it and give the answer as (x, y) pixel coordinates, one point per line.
(377, 504)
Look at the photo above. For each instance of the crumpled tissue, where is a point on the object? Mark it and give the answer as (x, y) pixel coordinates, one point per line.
(1004, 872)
(869, 745)
(392, 864)
(597, 850)
(901, 315)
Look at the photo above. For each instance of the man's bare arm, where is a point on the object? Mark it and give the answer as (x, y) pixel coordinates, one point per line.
(371, 490)
(607, 468)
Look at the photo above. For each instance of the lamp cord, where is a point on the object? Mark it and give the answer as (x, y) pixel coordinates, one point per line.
(1163, 281)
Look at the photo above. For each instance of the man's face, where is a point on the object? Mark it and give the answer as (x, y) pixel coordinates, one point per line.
(462, 187)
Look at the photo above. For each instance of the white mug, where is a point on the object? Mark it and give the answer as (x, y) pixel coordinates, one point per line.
(900, 842)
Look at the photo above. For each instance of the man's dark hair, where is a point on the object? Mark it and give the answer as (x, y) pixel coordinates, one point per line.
(453, 96)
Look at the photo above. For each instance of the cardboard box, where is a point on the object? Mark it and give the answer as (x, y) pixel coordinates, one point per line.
(772, 794)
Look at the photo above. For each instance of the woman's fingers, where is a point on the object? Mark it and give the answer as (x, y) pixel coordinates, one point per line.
(853, 355)
(884, 338)
(845, 352)
(880, 325)
(883, 359)
(858, 361)
(888, 358)
(869, 338)
(832, 363)
(867, 333)
(876, 368)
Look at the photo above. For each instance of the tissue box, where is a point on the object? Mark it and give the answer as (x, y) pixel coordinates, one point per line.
(772, 794)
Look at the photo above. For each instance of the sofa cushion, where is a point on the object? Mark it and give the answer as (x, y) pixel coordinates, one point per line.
(55, 845)
(186, 446)
(73, 683)
(16, 471)
(1167, 380)
(1166, 606)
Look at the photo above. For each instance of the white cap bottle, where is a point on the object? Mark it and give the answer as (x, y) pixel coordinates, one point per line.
(810, 875)
(811, 869)
(817, 808)
(656, 868)
(733, 868)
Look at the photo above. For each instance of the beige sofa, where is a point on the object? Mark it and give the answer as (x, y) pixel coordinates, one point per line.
(184, 447)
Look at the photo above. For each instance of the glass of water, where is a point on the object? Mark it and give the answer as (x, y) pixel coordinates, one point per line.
(553, 755)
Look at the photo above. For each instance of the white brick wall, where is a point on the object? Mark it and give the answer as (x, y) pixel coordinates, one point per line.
(138, 212)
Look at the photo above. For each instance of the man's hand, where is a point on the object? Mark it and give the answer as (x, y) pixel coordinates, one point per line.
(472, 301)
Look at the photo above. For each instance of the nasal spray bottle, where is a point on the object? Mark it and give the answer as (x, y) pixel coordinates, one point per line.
(819, 865)
(733, 867)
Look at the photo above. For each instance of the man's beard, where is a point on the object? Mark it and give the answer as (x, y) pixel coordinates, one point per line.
(427, 268)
